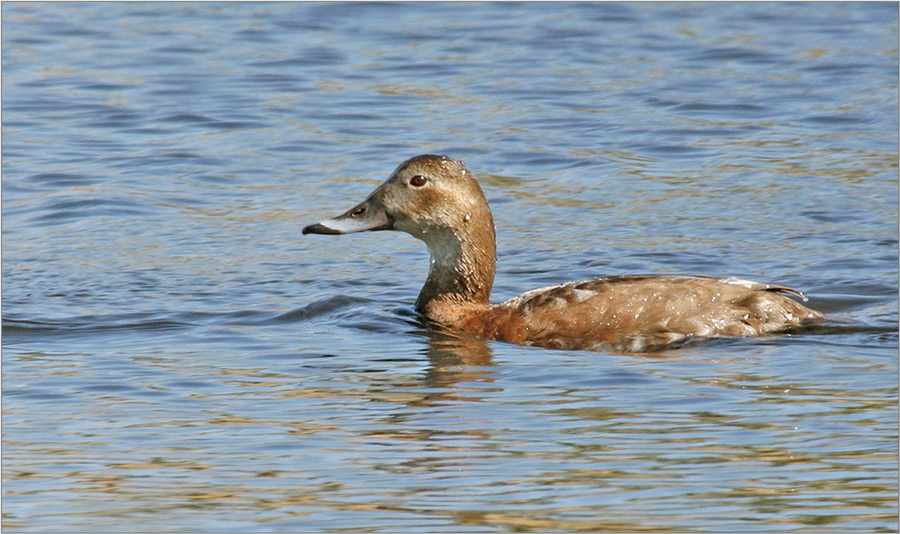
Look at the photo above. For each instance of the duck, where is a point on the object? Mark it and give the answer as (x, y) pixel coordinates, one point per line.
(437, 200)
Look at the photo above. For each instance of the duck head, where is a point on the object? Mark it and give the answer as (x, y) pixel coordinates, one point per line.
(437, 200)
(427, 196)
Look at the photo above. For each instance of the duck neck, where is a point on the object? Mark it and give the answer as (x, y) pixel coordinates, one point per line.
(461, 272)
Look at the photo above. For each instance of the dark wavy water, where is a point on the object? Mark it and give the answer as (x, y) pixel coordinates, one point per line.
(176, 356)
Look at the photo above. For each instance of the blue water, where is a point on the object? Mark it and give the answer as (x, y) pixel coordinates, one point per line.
(176, 356)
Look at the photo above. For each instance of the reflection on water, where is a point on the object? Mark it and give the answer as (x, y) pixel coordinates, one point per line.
(177, 357)
(558, 441)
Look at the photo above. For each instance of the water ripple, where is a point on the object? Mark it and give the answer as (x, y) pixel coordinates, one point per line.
(176, 356)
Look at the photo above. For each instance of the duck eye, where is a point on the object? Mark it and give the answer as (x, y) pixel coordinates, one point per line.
(417, 180)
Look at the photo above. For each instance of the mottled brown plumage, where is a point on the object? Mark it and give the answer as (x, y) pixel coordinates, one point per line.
(436, 199)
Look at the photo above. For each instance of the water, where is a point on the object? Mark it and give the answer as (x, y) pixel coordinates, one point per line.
(176, 356)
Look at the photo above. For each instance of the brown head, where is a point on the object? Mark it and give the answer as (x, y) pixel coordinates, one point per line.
(437, 200)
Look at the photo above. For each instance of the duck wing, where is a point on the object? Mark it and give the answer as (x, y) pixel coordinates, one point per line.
(639, 313)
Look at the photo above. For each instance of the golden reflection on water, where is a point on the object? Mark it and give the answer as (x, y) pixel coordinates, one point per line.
(460, 370)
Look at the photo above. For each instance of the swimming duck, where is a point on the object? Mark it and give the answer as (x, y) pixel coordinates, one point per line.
(437, 200)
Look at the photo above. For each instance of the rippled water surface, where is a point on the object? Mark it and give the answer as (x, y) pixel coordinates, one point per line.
(176, 356)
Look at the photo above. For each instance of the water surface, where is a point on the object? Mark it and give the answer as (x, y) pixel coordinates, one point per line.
(176, 356)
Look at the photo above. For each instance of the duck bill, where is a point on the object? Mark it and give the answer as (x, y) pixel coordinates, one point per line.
(364, 217)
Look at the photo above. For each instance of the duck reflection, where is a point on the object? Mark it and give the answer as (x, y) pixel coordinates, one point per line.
(457, 358)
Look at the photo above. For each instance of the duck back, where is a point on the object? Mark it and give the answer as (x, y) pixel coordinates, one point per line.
(642, 313)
